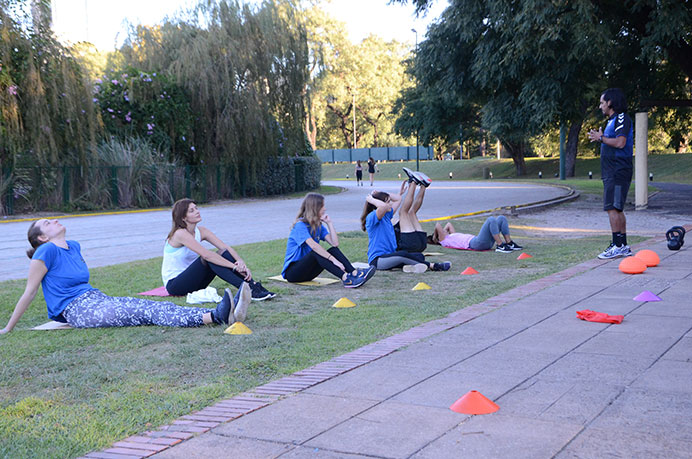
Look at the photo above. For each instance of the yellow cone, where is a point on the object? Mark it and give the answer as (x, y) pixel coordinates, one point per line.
(344, 303)
(421, 286)
(238, 328)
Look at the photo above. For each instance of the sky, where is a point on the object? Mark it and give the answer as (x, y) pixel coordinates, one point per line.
(104, 23)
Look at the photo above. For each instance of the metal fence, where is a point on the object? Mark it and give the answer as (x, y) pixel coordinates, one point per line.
(379, 153)
(70, 188)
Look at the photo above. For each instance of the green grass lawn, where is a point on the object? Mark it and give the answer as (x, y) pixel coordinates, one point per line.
(65, 393)
(666, 168)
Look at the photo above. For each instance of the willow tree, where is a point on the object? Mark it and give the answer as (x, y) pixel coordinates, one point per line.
(46, 112)
(244, 70)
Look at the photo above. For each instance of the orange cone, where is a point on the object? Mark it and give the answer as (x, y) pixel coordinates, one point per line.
(632, 265)
(473, 402)
(524, 256)
(649, 257)
(469, 271)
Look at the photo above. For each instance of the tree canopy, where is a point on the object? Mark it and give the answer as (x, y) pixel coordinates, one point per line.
(531, 65)
(370, 74)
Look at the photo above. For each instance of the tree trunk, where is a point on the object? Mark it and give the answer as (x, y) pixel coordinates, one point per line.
(571, 148)
(311, 131)
(344, 119)
(573, 140)
(516, 152)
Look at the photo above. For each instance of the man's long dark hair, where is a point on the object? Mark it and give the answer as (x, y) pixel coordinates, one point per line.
(616, 99)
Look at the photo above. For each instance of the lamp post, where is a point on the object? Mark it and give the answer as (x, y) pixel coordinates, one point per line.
(417, 152)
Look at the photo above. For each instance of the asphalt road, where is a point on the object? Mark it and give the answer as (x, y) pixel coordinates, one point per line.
(674, 198)
(113, 239)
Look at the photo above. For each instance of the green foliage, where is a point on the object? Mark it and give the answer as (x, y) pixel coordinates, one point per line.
(370, 73)
(277, 178)
(152, 106)
(139, 169)
(46, 113)
(92, 61)
(310, 169)
(532, 65)
(243, 71)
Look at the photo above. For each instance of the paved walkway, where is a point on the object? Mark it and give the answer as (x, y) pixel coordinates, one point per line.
(565, 387)
(114, 239)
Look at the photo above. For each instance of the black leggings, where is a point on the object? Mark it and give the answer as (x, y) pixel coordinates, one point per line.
(200, 274)
(397, 260)
(311, 265)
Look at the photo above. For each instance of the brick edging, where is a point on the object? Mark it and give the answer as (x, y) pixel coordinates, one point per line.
(189, 425)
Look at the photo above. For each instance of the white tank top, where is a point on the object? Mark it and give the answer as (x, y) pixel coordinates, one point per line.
(175, 261)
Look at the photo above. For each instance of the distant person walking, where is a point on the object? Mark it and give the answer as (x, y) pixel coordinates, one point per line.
(616, 167)
(359, 173)
(372, 167)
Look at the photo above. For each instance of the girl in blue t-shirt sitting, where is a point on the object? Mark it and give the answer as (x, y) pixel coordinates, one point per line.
(305, 258)
(57, 265)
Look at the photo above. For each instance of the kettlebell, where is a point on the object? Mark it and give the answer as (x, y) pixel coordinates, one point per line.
(675, 237)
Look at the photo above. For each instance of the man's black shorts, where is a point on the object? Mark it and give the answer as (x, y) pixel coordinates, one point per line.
(616, 173)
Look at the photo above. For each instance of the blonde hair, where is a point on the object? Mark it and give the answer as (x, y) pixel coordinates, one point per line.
(310, 212)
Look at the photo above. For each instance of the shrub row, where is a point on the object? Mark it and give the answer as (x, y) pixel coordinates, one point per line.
(71, 188)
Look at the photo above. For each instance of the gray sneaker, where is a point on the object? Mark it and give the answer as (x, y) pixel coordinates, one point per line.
(417, 268)
(614, 251)
(244, 299)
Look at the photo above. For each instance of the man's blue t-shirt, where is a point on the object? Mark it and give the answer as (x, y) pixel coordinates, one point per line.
(619, 125)
(296, 247)
(381, 238)
(67, 276)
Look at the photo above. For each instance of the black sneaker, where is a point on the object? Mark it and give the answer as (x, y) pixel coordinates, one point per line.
(259, 293)
(422, 179)
(444, 266)
(223, 314)
(513, 245)
(503, 248)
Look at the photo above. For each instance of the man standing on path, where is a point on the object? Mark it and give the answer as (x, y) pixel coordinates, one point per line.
(616, 167)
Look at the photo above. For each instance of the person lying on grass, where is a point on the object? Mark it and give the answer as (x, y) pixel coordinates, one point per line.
(305, 258)
(495, 230)
(385, 250)
(57, 265)
(188, 266)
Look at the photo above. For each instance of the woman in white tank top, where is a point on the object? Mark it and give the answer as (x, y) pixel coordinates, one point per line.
(188, 266)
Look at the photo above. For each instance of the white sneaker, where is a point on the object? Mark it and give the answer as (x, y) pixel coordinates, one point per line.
(614, 251)
(244, 299)
(417, 268)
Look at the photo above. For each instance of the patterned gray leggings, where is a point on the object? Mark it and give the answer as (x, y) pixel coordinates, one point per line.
(96, 309)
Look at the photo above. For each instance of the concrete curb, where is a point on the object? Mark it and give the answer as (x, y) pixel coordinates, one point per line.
(523, 208)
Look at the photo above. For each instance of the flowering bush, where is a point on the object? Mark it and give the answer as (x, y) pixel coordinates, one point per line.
(148, 105)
